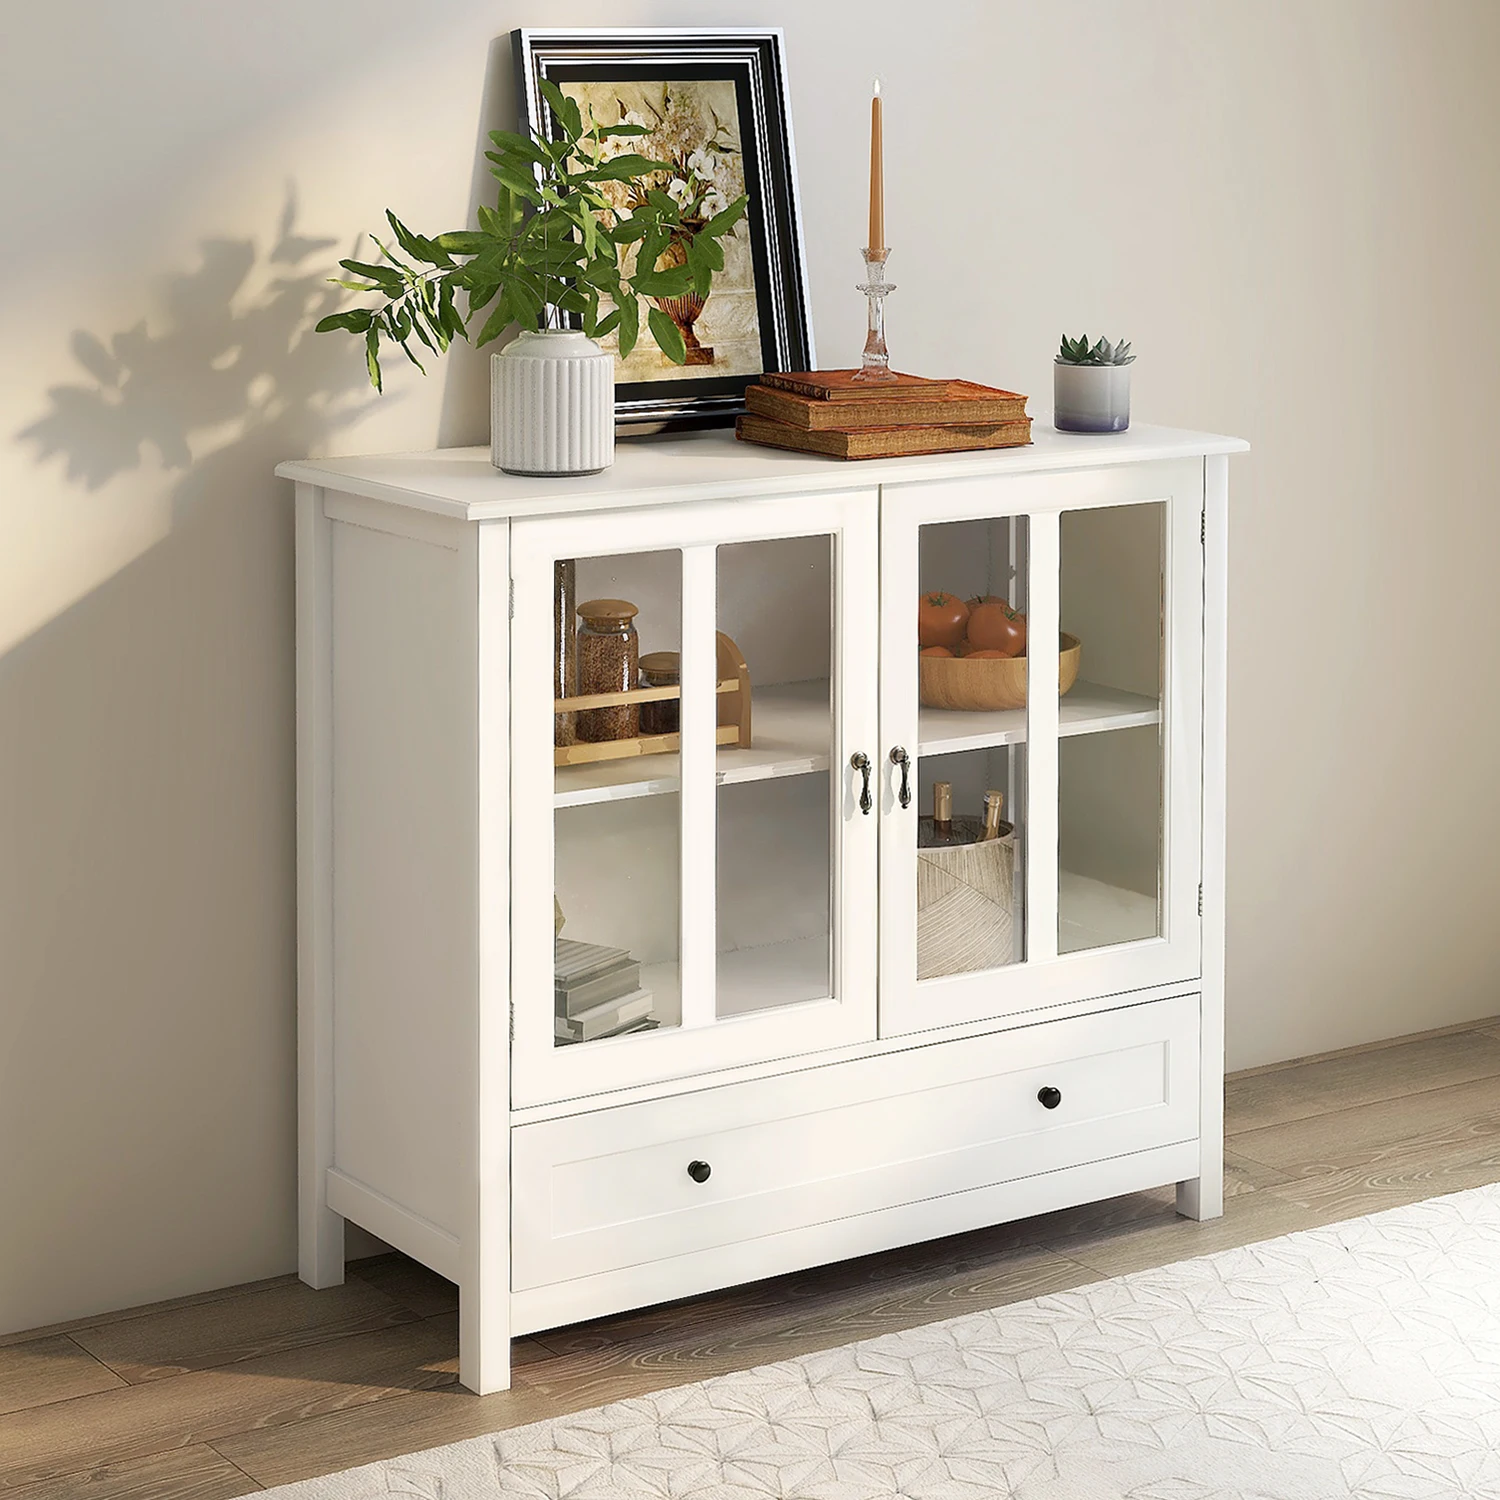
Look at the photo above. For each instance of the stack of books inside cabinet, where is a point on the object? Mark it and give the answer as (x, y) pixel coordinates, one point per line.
(832, 412)
(598, 993)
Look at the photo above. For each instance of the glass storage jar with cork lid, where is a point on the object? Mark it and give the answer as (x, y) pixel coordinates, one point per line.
(661, 669)
(608, 662)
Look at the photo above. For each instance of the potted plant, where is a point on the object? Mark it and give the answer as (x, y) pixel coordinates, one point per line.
(1091, 386)
(559, 257)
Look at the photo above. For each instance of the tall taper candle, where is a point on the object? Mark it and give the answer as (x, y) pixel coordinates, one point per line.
(877, 173)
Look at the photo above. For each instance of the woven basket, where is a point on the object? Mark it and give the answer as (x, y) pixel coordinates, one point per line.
(964, 916)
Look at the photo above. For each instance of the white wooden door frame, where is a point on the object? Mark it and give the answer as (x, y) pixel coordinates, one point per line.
(543, 1072)
(1045, 977)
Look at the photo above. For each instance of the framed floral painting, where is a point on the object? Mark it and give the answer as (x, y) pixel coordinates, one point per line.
(715, 108)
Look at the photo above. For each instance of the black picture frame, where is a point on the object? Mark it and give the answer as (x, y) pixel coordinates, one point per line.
(753, 58)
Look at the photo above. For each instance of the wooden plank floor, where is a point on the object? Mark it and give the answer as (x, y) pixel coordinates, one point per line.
(229, 1392)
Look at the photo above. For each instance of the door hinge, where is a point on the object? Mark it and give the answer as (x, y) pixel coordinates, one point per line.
(513, 1012)
(1203, 527)
(1200, 898)
(512, 598)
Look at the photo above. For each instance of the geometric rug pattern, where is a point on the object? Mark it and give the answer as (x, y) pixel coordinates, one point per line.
(1361, 1359)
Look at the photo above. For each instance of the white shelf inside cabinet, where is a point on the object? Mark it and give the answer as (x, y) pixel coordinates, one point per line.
(1088, 709)
(748, 980)
(1092, 914)
(753, 979)
(790, 727)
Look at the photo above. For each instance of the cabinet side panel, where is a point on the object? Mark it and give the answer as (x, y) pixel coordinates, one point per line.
(320, 1231)
(404, 861)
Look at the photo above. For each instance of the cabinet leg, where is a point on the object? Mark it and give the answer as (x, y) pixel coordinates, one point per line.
(483, 1342)
(320, 1246)
(1202, 1197)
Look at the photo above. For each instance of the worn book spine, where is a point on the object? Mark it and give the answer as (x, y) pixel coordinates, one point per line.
(840, 385)
(574, 1000)
(814, 415)
(884, 442)
(603, 1018)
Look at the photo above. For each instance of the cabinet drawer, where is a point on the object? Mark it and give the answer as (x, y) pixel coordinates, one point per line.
(600, 1191)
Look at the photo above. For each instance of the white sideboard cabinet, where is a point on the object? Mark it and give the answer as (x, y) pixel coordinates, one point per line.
(846, 1041)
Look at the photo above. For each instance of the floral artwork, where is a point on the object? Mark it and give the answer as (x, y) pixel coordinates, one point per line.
(726, 289)
(694, 125)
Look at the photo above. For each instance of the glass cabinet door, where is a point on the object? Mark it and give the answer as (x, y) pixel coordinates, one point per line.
(1110, 789)
(688, 849)
(1040, 706)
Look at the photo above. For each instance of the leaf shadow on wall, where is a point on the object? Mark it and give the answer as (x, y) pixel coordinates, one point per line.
(236, 365)
(147, 886)
(464, 417)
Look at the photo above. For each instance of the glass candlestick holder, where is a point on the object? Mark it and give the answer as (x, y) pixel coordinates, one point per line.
(876, 362)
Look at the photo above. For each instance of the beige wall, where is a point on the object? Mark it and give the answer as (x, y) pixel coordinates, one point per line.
(1290, 207)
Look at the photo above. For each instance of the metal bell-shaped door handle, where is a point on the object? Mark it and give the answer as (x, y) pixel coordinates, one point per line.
(861, 763)
(899, 757)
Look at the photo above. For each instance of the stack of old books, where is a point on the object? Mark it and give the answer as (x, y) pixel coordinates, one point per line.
(598, 993)
(829, 411)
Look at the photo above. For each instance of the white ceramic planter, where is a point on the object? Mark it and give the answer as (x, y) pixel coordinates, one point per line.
(552, 404)
(1090, 398)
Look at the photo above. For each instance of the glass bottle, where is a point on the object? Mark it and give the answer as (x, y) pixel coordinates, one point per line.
(942, 807)
(945, 831)
(661, 669)
(993, 802)
(608, 662)
(942, 830)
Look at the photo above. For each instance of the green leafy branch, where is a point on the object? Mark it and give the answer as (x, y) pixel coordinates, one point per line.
(1079, 352)
(553, 248)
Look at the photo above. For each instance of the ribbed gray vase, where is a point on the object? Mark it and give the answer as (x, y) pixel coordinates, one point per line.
(552, 404)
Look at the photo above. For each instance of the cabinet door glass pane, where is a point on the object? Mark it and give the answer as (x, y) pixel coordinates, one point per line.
(617, 821)
(776, 782)
(1110, 762)
(971, 755)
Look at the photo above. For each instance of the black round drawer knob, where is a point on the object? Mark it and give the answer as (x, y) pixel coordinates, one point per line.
(1048, 1098)
(699, 1171)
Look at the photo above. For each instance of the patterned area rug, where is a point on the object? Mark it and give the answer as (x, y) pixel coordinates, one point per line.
(1358, 1360)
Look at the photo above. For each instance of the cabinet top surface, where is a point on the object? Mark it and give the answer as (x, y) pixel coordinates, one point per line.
(462, 483)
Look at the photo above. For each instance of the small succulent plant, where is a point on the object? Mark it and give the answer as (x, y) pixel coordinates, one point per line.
(1081, 352)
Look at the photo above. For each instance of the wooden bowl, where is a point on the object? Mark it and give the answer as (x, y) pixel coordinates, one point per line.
(990, 683)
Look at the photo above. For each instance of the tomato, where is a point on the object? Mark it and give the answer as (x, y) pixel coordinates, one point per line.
(941, 619)
(995, 626)
(987, 656)
(934, 651)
